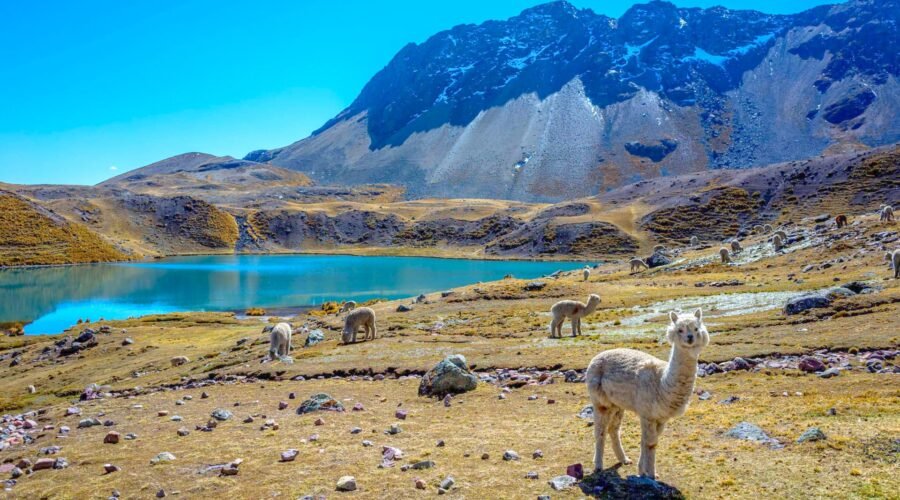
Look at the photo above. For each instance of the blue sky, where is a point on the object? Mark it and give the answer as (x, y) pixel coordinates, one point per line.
(93, 88)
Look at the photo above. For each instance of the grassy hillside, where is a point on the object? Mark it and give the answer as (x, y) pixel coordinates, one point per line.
(31, 235)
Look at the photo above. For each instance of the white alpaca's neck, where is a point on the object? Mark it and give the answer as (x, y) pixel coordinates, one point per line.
(678, 378)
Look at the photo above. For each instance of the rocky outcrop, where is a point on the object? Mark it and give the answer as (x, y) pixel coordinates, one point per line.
(450, 376)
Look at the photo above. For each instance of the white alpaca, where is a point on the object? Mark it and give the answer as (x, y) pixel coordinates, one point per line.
(626, 379)
(736, 247)
(777, 242)
(893, 259)
(280, 341)
(637, 264)
(574, 310)
(179, 360)
(695, 241)
(363, 317)
(723, 253)
(586, 273)
(348, 306)
(887, 214)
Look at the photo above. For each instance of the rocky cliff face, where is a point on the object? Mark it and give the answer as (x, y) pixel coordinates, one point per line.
(558, 102)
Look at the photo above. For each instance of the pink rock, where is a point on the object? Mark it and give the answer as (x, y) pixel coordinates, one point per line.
(810, 365)
(575, 470)
(6, 468)
(358, 407)
(282, 405)
(30, 424)
(319, 421)
(401, 414)
(43, 463)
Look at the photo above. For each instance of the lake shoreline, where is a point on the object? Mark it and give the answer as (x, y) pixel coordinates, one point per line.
(352, 251)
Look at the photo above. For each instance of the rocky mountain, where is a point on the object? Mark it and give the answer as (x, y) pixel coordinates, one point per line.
(560, 102)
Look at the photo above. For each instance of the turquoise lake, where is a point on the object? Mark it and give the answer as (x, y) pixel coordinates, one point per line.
(51, 299)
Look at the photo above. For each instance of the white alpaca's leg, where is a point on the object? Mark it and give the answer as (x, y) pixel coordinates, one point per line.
(574, 322)
(615, 437)
(649, 437)
(601, 421)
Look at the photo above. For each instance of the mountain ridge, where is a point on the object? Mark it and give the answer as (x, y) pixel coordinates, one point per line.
(541, 106)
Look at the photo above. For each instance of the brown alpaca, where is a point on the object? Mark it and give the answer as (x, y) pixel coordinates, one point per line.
(841, 221)
(574, 310)
(723, 253)
(637, 264)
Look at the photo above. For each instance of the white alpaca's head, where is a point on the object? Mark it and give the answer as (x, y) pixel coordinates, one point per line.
(593, 299)
(687, 331)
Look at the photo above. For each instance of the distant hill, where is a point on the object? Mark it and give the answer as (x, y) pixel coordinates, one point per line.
(559, 103)
(32, 235)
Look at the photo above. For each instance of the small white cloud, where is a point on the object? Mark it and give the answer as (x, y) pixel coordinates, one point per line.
(113, 168)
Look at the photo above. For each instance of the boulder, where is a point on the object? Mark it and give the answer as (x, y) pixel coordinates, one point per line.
(750, 432)
(805, 302)
(162, 458)
(658, 259)
(320, 402)
(535, 286)
(221, 414)
(450, 376)
(560, 483)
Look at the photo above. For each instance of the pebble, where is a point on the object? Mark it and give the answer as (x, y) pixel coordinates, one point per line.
(366, 443)
(289, 455)
(176, 418)
(282, 405)
(111, 438)
(183, 431)
(204, 395)
(401, 414)
(292, 396)
(162, 413)
(358, 407)
(447, 483)
(575, 470)
(355, 430)
(319, 421)
(425, 464)
(831, 372)
(131, 436)
(537, 454)
(394, 429)
(485, 456)
(532, 475)
(440, 443)
(110, 468)
(812, 434)
(420, 484)
(510, 455)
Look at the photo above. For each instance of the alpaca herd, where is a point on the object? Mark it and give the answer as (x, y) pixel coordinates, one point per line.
(617, 379)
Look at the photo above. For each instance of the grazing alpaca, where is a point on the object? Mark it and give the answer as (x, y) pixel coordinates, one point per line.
(736, 247)
(586, 273)
(723, 253)
(348, 306)
(887, 213)
(280, 341)
(626, 379)
(767, 228)
(695, 241)
(637, 264)
(840, 220)
(179, 360)
(362, 317)
(777, 242)
(782, 235)
(757, 229)
(893, 259)
(574, 310)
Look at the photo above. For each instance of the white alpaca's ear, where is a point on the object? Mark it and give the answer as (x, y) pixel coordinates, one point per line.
(673, 316)
(698, 314)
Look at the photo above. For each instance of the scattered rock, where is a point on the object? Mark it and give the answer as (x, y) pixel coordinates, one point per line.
(751, 432)
(112, 437)
(221, 414)
(346, 483)
(575, 470)
(510, 455)
(314, 338)
(805, 302)
(447, 483)
(183, 431)
(420, 484)
(401, 414)
(810, 364)
(162, 458)
(831, 372)
(535, 286)
(402, 308)
(110, 468)
(425, 464)
(88, 422)
(560, 483)
(812, 434)
(289, 455)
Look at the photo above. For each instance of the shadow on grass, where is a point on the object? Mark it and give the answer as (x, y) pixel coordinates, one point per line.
(610, 484)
